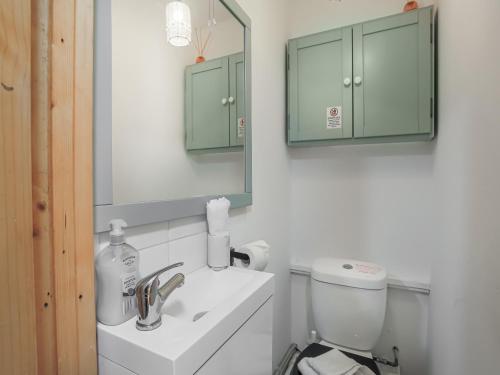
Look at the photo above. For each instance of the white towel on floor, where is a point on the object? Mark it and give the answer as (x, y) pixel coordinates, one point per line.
(333, 362)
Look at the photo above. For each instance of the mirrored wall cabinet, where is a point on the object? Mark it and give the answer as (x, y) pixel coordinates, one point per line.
(367, 83)
(169, 102)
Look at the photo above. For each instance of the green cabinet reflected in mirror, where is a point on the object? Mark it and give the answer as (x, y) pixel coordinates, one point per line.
(366, 83)
(237, 92)
(215, 104)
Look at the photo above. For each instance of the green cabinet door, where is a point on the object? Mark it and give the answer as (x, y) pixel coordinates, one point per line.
(207, 105)
(237, 100)
(393, 75)
(320, 86)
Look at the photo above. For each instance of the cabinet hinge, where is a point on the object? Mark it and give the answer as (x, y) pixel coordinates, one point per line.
(432, 107)
(432, 35)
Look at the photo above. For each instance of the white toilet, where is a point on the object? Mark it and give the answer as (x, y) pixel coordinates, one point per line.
(348, 303)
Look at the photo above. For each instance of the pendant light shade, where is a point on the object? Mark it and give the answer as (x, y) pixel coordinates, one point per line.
(178, 23)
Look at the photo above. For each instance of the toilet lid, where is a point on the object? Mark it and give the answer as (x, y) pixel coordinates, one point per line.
(349, 272)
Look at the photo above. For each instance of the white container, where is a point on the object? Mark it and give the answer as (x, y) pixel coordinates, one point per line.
(219, 252)
(117, 271)
(349, 302)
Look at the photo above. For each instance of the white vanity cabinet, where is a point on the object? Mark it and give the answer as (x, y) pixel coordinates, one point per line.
(249, 350)
(216, 323)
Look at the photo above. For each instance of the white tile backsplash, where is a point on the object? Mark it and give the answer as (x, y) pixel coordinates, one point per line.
(191, 250)
(145, 236)
(153, 258)
(186, 227)
(161, 244)
(141, 237)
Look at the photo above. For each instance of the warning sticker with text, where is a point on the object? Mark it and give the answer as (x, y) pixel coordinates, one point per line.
(334, 117)
(241, 127)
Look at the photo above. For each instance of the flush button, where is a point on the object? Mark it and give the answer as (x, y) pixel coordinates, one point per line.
(348, 266)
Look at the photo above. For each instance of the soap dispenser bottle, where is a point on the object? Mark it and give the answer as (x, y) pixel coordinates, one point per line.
(117, 272)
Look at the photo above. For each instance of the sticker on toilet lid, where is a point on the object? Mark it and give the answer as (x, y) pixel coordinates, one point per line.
(334, 117)
(367, 268)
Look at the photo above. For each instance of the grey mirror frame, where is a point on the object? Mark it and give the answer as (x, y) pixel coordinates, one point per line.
(155, 211)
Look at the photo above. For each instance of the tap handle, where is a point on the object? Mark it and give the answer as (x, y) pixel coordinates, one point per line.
(151, 278)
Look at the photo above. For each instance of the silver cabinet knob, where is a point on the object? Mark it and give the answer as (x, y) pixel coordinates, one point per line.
(347, 82)
(224, 101)
(231, 100)
(358, 81)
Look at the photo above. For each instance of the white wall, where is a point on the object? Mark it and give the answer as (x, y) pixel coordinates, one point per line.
(465, 303)
(227, 38)
(150, 161)
(368, 202)
(268, 217)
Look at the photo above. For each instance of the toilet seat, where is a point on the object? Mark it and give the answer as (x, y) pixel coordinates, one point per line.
(361, 353)
(315, 350)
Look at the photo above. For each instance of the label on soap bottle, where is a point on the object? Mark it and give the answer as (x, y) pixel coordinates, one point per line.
(129, 281)
(129, 261)
(129, 303)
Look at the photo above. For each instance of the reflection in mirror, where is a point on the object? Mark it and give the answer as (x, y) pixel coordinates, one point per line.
(178, 112)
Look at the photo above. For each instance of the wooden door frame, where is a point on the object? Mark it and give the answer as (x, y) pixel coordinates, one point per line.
(47, 323)
(72, 183)
(18, 345)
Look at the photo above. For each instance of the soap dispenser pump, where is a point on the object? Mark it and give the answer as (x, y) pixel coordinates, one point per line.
(117, 272)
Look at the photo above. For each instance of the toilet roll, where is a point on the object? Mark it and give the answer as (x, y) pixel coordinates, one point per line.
(218, 250)
(258, 252)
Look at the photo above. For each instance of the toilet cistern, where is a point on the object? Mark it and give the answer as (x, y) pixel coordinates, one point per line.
(349, 302)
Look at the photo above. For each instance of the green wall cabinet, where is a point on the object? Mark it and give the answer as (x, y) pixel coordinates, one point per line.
(318, 65)
(370, 82)
(215, 104)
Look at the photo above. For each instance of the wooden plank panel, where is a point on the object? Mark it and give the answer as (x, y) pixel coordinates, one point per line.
(42, 218)
(72, 63)
(46, 159)
(17, 316)
(62, 53)
(84, 246)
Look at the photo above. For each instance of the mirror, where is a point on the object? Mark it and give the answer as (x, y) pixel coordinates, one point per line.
(172, 97)
(178, 112)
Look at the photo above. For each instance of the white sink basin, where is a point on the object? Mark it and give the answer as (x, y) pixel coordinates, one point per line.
(197, 319)
(203, 291)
